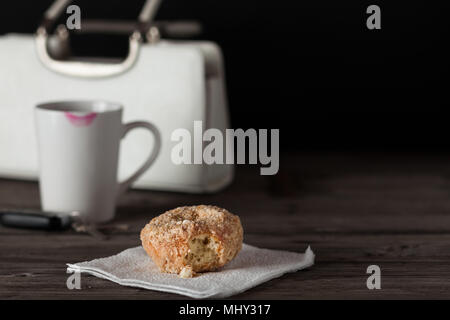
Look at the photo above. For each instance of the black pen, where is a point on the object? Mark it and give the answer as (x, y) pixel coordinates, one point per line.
(35, 219)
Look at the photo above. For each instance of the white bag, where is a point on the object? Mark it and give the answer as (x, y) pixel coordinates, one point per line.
(171, 84)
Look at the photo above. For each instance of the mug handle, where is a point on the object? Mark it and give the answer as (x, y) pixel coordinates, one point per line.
(123, 186)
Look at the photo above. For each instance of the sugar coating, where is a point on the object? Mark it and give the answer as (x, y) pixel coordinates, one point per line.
(192, 239)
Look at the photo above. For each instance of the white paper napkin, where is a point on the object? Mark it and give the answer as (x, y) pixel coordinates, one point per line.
(252, 266)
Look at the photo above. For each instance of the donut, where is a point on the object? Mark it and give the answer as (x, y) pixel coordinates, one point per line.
(192, 239)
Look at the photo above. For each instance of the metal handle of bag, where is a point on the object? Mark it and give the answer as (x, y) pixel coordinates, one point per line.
(182, 29)
(92, 69)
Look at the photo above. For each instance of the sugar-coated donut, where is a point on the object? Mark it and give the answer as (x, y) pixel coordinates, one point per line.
(193, 239)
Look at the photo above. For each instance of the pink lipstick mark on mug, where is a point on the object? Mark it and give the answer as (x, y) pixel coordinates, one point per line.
(80, 121)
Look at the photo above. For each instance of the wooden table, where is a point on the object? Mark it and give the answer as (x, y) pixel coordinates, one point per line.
(354, 211)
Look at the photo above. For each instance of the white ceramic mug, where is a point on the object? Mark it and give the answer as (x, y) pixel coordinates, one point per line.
(78, 144)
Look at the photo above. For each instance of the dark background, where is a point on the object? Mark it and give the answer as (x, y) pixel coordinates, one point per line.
(312, 68)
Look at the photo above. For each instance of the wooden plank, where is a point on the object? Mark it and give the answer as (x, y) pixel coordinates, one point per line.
(411, 267)
(353, 210)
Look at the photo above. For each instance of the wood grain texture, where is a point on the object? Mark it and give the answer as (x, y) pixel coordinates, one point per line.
(354, 211)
